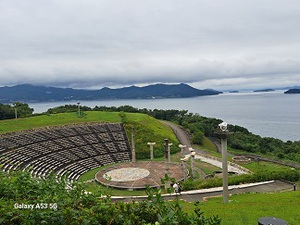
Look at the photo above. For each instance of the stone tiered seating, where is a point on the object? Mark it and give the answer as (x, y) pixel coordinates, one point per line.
(72, 149)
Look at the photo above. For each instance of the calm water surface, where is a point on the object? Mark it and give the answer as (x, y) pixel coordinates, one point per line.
(271, 114)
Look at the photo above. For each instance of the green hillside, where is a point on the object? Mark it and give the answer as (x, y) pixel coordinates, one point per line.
(146, 128)
(248, 208)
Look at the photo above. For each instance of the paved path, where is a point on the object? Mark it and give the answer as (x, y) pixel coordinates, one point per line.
(184, 139)
(200, 195)
(218, 163)
(182, 135)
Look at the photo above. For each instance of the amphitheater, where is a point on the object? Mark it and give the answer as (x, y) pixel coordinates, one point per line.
(69, 150)
(72, 150)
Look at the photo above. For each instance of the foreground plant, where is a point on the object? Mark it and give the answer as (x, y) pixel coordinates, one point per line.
(27, 200)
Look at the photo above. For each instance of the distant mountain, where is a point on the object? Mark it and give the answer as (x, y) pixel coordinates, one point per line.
(30, 93)
(292, 91)
(293, 87)
(264, 90)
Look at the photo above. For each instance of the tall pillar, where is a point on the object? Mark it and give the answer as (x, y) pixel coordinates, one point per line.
(192, 154)
(169, 152)
(223, 133)
(224, 168)
(183, 160)
(182, 148)
(78, 109)
(133, 145)
(151, 150)
(16, 112)
(167, 183)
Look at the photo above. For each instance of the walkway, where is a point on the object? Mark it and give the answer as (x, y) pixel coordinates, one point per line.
(200, 195)
(184, 139)
(217, 163)
(182, 135)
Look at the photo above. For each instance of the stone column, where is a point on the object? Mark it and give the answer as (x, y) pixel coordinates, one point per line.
(16, 110)
(192, 154)
(182, 147)
(184, 160)
(167, 183)
(133, 145)
(223, 133)
(151, 149)
(224, 168)
(78, 109)
(169, 152)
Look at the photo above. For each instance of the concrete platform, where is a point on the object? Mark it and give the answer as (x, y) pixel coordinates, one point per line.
(137, 175)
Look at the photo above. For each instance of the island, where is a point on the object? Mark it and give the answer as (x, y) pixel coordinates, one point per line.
(292, 91)
(264, 90)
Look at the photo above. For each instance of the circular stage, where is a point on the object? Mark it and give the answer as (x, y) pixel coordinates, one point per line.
(138, 175)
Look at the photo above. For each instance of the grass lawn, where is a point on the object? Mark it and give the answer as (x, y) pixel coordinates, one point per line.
(56, 120)
(205, 167)
(266, 166)
(246, 209)
(146, 128)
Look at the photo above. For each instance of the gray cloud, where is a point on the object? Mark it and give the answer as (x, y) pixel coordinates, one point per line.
(211, 44)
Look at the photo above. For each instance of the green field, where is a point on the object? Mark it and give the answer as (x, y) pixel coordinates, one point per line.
(146, 128)
(13, 125)
(246, 209)
(55, 120)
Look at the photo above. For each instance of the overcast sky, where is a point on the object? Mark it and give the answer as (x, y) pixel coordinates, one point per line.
(220, 44)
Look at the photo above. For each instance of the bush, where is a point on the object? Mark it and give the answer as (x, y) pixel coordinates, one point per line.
(292, 176)
(53, 203)
(198, 138)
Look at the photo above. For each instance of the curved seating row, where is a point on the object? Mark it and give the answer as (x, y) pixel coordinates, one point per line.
(67, 150)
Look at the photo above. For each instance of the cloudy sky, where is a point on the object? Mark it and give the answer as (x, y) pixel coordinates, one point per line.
(220, 44)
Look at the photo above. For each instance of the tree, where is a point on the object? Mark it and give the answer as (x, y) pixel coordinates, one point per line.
(198, 137)
(6, 112)
(23, 109)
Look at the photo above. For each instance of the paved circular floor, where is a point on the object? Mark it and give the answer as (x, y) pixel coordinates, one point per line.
(138, 175)
(126, 174)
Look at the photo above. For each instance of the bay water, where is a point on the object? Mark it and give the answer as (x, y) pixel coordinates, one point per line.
(268, 114)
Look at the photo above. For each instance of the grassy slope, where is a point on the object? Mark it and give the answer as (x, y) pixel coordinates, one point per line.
(55, 120)
(248, 208)
(146, 128)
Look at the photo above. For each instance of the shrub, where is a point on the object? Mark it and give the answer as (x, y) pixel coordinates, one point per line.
(292, 176)
(198, 138)
(53, 203)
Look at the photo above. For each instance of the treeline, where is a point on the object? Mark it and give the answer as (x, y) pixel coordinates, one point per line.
(18, 110)
(252, 143)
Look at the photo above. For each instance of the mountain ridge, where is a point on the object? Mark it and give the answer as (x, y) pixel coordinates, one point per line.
(32, 93)
(293, 91)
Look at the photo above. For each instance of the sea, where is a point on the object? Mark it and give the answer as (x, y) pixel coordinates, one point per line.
(268, 114)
